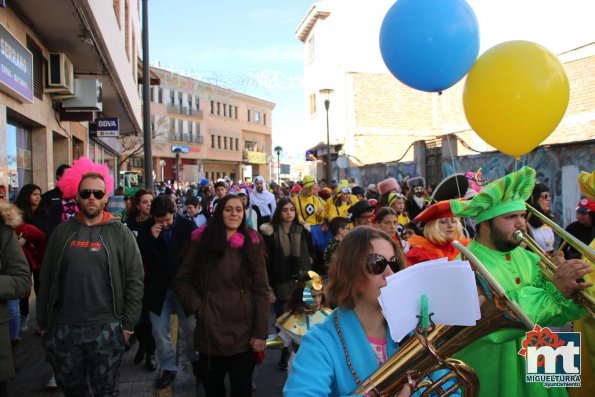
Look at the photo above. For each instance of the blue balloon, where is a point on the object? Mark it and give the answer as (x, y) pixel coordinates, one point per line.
(429, 45)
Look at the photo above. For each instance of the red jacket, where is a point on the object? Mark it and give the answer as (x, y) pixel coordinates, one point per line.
(423, 250)
(34, 247)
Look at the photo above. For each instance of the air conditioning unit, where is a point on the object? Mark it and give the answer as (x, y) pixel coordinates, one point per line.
(60, 79)
(87, 97)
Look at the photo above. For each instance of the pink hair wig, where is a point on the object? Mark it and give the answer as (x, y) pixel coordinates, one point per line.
(69, 183)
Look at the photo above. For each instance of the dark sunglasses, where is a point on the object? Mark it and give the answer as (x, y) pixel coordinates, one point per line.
(378, 264)
(86, 193)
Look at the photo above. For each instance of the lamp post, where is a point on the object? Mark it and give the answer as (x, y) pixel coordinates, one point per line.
(278, 150)
(147, 133)
(177, 151)
(327, 92)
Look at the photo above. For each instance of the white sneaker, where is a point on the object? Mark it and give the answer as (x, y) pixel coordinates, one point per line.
(24, 324)
(51, 383)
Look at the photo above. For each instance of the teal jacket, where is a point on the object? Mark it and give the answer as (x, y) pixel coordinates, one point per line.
(124, 264)
(320, 368)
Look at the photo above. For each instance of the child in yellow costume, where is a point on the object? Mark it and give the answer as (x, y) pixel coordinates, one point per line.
(304, 310)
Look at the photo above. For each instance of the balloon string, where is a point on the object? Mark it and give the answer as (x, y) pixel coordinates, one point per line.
(441, 123)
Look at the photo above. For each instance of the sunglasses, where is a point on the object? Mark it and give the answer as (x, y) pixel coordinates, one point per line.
(86, 193)
(378, 263)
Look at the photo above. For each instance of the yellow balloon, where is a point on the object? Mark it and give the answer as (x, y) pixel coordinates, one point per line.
(515, 95)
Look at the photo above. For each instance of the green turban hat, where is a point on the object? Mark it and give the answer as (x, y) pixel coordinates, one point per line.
(504, 195)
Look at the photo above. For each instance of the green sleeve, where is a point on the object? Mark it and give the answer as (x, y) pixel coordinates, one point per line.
(14, 269)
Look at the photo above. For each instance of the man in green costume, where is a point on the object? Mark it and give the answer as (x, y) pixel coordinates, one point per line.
(499, 210)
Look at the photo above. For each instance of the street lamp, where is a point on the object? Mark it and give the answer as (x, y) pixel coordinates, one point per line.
(177, 151)
(278, 150)
(327, 92)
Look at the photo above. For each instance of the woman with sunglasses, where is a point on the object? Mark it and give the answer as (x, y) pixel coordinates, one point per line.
(541, 200)
(337, 355)
(440, 230)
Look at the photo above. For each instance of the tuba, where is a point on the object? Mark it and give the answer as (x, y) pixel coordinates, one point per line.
(430, 349)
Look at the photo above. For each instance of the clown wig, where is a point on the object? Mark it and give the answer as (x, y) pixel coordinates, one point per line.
(69, 183)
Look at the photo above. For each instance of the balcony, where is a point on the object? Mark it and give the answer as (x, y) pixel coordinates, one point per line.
(173, 109)
(197, 113)
(175, 136)
(197, 139)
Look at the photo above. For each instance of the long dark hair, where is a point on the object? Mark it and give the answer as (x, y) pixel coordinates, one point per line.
(23, 201)
(276, 218)
(133, 211)
(213, 241)
(533, 200)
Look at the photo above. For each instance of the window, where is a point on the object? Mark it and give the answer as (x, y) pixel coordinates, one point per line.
(237, 144)
(225, 142)
(160, 95)
(312, 104)
(256, 117)
(152, 95)
(212, 107)
(225, 109)
(127, 28)
(117, 11)
(311, 48)
(180, 100)
(190, 128)
(172, 125)
(264, 119)
(197, 102)
(251, 146)
(249, 115)
(213, 141)
(37, 67)
(172, 97)
(218, 141)
(180, 126)
(218, 109)
(236, 113)
(189, 102)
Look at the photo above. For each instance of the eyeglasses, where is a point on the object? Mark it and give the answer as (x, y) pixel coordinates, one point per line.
(544, 196)
(86, 193)
(378, 264)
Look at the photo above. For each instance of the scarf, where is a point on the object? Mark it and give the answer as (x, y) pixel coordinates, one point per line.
(69, 209)
(294, 250)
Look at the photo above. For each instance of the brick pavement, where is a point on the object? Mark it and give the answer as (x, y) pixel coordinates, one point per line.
(135, 381)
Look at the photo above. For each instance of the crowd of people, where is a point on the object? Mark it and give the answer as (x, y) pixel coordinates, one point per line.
(108, 270)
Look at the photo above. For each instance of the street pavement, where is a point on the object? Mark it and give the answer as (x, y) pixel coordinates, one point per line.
(135, 381)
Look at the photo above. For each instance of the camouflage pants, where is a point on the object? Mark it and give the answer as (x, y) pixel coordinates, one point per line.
(77, 352)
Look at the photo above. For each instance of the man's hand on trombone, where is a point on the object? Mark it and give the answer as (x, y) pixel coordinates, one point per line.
(568, 277)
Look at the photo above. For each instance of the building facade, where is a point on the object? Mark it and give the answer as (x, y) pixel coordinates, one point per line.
(202, 130)
(375, 117)
(64, 64)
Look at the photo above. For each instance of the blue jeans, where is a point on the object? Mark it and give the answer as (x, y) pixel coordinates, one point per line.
(14, 323)
(161, 327)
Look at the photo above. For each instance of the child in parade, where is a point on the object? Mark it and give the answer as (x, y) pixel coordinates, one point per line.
(303, 310)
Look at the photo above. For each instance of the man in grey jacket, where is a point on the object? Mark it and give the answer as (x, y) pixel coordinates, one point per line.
(90, 295)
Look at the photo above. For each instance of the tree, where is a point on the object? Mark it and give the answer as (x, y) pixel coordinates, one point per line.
(133, 144)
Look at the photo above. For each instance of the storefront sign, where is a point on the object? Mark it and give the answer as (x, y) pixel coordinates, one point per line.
(16, 66)
(181, 149)
(108, 126)
(256, 157)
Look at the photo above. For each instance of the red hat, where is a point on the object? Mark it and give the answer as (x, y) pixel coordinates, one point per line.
(435, 211)
(387, 185)
(296, 188)
(586, 205)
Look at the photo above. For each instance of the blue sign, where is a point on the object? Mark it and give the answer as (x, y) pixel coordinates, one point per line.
(180, 149)
(16, 66)
(108, 126)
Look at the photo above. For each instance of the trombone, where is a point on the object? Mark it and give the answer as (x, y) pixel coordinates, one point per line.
(568, 238)
(548, 268)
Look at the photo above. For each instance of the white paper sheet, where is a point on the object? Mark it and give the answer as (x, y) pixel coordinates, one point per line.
(451, 290)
